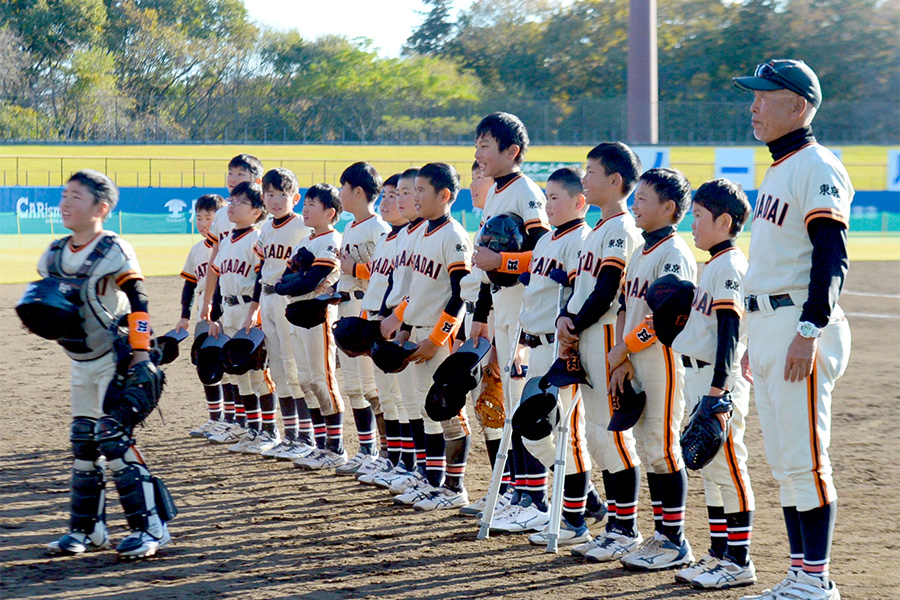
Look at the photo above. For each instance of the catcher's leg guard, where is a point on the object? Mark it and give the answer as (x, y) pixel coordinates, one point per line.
(87, 519)
(138, 492)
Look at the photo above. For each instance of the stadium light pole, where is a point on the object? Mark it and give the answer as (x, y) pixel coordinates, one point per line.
(642, 95)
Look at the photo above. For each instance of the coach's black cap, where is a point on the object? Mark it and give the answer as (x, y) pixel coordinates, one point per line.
(793, 75)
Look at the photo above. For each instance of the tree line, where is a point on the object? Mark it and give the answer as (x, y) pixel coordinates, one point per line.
(201, 70)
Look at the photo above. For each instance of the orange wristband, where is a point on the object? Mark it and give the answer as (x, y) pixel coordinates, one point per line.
(401, 308)
(640, 337)
(361, 271)
(443, 329)
(514, 262)
(139, 331)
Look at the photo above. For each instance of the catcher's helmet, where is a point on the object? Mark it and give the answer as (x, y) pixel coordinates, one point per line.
(201, 332)
(627, 408)
(310, 313)
(168, 345)
(49, 308)
(456, 376)
(245, 351)
(503, 233)
(537, 414)
(355, 335)
(391, 357)
(670, 299)
(210, 366)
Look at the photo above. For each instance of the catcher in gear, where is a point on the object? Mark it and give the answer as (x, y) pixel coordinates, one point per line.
(114, 384)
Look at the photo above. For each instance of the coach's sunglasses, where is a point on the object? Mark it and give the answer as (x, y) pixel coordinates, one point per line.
(767, 71)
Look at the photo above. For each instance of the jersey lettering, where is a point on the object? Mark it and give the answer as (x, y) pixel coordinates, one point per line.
(278, 251)
(425, 266)
(233, 265)
(771, 209)
(634, 288)
(702, 303)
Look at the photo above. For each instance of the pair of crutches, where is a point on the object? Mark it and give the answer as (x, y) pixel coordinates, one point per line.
(562, 439)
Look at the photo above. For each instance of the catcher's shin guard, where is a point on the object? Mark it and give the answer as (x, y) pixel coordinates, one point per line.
(88, 500)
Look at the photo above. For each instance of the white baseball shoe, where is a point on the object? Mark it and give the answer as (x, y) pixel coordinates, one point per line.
(724, 575)
(378, 464)
(443, 499)
(76, 542)
(607, 546)
(568, 535)
(322, 460)
(245, 441)
(687, 574)
(202, 430)
(407, 482)
(229, 434)
(141, 544)
(777, 592)
(657, 554)
(415, 494)
(528, 517)
(386, 478)
(354, 464)
(264, 442)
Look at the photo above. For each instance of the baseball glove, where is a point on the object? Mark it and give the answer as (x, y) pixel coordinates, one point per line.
(702, 439)
(490, 407)
(130, 398)
(362, 253)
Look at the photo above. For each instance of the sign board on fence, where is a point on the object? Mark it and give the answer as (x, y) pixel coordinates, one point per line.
(893, 170)
(652, 157)
(541, 171)
(737, 165)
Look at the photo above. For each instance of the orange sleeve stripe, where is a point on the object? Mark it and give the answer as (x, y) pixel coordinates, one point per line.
(128, 276)
(324, 262)
(532, 223)
(139, 331)
(572, 275)
(464, 266)
(612, 261)
(362, 271)
(211, 239)
(188, 276)
(401, 308)
(728, 305)
(826, 213)
(214, 269)
(260, 251)
(443, 329)
(641, 337)
(514, 262)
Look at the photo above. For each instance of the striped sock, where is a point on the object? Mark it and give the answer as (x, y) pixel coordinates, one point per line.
(674, 497)
(407, 446)
(364, 419)
(740, 529)
(435, 461)
(393, 441)
(289, 417)
(535, 479)
(267, 410)
(817, 526)
(251, 407)
(240, 414)
(417, 426)
(228, 396)
(627, 483)
(718, 531)
(456, 453)
(213, 401)
(305, 431)
(319, 431)
(795, 537)
(575, 498)
(334, 429)
(609, 488)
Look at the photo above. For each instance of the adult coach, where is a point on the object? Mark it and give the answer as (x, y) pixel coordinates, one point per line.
(799, 340)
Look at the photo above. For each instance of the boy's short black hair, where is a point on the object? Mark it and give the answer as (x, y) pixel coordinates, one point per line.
(328, 196)
(475, 166)
(253, 192)
(101, 187)
(281, 180)
(209, 203)
(616, 157)
(723, 196)
(410, 173)
(569, 178)
(670, 184)
(507, 129)
(392, 181)
(363, 175)
(442, 177)
(248, 162)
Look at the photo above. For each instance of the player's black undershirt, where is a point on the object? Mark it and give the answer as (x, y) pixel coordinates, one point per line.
(829, 263)
(187, 298)
(651, 238)
(277, 221)
(728, 328)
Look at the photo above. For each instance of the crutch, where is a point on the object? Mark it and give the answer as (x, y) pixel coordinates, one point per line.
(562, 435)
(505, 441)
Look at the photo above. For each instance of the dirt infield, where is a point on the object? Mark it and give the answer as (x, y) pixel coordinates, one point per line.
(256, 529)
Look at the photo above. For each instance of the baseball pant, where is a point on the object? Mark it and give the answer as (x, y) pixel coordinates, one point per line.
(89, 379)
(577, 458)
(458, 426)
(315, 354)
(658, 372)
(726, 481)
(357, 373)
(612, 451)
(251, 382)
(507, 305)
(795, 417)
(282, 365)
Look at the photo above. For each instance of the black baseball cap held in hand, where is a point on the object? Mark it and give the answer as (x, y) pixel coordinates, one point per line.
(793, 75)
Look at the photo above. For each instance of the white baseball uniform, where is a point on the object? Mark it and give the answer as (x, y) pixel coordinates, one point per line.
(195, 266)
(657, 369)
(810, 183)
(726, 481)
(276, 243)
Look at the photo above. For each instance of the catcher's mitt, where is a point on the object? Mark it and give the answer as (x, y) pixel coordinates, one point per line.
(490, 408)
(130, 398)
(702, 439)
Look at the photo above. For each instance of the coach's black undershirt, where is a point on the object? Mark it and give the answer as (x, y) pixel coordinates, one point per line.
(790, 142)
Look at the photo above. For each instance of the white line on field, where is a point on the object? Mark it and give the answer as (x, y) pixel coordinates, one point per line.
(872, 315)
(870, 295)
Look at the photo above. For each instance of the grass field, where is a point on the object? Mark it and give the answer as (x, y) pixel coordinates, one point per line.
(204, 165)
(164, 254)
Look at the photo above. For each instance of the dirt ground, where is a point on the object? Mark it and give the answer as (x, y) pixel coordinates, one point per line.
(256, 529)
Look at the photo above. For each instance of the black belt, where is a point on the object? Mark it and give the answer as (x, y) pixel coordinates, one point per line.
(358, 294)
(687, 360)
(533, 341)
(235, 300)
(268, 289)
(776, 300)
(470, 307)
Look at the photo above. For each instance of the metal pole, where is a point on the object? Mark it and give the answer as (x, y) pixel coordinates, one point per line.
(642, 92)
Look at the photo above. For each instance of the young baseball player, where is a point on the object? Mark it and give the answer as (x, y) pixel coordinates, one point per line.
(586, 327)
(411, 471)
(378, 272)
(799, 340)
(430, 316)
(194, 275)
(277, 239)
(241, 168)
(711, 347)
(660, 201)
(101, 268)
(235, 268)
(360, 187)
(314, 348)
(501, 141)
(566, 208)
